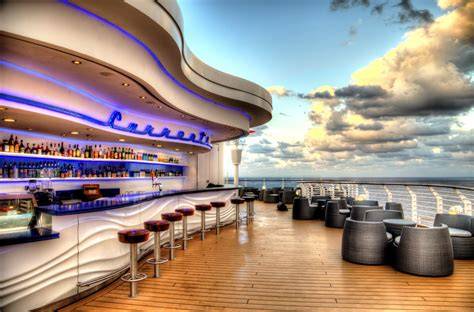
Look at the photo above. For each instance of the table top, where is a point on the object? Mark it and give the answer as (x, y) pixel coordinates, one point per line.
(399, 222)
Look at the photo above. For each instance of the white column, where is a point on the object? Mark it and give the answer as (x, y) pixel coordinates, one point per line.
(236, 159)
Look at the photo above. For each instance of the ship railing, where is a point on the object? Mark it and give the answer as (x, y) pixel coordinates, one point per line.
(421, 202)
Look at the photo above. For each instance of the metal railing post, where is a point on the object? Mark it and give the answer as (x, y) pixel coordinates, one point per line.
(467, 205)
(414, 210)
(389, 193)
(439, 200)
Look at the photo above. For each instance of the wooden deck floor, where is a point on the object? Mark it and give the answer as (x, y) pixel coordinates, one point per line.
(281, 264)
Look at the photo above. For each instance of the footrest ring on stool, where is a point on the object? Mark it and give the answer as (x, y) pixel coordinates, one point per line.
(167, 246)
(153, 261)
(188, 239)
(128, 277)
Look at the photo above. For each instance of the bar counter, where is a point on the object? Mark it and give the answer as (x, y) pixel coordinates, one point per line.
(87, 252)
(121, 201)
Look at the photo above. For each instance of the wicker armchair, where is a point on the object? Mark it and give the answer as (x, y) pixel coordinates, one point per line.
(334, 218)
(378, 215)
(461, 229)
(365, 242)
(358, 212)
(366, 202)
(302, 210)
(424, 251)
(394, 206)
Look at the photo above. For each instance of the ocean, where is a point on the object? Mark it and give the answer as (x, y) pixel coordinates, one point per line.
(272, 182)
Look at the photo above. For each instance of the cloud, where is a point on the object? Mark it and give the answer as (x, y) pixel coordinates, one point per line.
(370, 127)
(261, 149)
(280, 91)
(361, 92)
(406, 11)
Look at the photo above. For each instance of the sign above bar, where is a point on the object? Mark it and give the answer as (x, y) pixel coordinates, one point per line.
(113, 121)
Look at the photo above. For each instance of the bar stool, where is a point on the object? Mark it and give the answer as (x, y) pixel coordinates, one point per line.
(249, 200)
(237, 201)
(203, 208)
(186, 212)
(172, 217)
(157, 226)
(133, 237)
(218, 206)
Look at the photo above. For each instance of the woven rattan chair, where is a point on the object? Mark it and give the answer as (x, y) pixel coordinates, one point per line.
(460, 226)
(366, 202)
(378, 215)
(358, 212)
(424, 251)
(334, 218)
(365, 242)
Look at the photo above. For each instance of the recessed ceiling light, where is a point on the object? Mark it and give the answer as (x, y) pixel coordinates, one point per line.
(160, 107)
(190, 153)
(182, 115)
(9, 120)
(3, 108)
(142, 97)
(76, 62)
(30, 129)
(176, 149)
(74, 132)
(125, 84)
(122, 140)
(158, 145)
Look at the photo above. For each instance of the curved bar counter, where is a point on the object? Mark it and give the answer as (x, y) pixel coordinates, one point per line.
(84, 251)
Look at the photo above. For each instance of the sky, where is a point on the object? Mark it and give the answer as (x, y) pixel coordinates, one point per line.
(360, 88)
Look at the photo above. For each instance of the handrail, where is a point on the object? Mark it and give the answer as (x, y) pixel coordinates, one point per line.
(421, 201)
(387, 183)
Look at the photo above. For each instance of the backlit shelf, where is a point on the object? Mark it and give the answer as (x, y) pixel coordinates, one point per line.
(7, 180)
(36, 156)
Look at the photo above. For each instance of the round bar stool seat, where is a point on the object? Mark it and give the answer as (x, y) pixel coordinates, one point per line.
(157, 226)
(249, 200)
(186, 212)
(172, 217)
(133, 237)
(203, 208)
(218, 205)
(237, 201)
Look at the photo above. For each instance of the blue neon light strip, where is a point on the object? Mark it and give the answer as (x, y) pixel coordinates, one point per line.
(154, 56)
(132, 127)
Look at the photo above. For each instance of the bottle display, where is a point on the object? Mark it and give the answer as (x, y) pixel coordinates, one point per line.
(66, 169)
(13, 144)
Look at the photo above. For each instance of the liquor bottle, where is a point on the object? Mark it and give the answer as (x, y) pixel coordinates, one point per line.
(11, 144)
(78, 151)
(61, 149)
(16, 145)
(22, 147)
(28, 149)
(46, 150)
(6, 147)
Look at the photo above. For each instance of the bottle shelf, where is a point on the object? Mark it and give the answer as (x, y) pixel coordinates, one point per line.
(8, 180)
(36, 156)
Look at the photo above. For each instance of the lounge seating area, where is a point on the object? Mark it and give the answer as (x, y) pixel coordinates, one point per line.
(373, 235)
